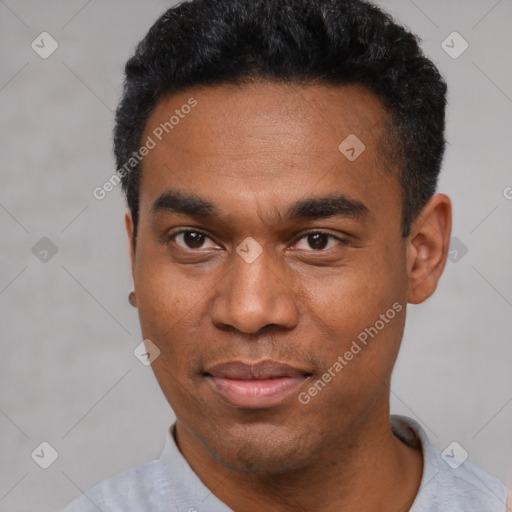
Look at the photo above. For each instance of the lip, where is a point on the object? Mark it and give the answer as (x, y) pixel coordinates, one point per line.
(256, 385)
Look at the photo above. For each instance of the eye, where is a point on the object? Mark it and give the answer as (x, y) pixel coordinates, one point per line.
(191, 239)
(319, 241)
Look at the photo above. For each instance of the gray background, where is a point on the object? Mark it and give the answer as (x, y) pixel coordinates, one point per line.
(67, 372)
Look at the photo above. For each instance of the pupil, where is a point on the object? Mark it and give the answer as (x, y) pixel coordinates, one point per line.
(314, 239)
(193, 239)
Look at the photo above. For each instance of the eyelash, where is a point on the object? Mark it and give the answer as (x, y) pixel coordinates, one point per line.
(342, 241)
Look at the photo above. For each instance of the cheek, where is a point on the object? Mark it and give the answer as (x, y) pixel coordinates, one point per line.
(352, 297)
(170, 307)
(358, 314)
(170, 314)
(164, 294)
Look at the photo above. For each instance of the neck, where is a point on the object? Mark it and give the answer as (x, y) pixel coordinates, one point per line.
(365, 469)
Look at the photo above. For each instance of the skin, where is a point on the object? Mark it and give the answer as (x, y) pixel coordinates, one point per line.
(252, 150)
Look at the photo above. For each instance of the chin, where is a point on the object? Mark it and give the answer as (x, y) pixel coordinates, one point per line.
(266, 449)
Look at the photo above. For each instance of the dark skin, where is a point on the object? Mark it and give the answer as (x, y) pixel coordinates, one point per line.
(252, 151)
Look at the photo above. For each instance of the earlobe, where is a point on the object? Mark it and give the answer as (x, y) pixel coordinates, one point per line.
(428, 246)
(132, 298)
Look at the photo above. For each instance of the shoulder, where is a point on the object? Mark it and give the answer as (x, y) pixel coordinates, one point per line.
(473, 488)
(450, 482)
(168, 483)
(126, 491)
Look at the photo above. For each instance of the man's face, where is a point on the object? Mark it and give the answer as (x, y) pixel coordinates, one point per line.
(320, 279)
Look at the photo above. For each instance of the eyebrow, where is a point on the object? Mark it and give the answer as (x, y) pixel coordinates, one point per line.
(306, 208)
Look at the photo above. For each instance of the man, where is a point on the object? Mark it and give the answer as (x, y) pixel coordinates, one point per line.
(280, 161)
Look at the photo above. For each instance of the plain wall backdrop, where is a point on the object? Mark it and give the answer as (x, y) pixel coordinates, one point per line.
(68, 375)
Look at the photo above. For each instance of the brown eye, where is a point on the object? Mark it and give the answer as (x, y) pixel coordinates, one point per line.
(319, 241)
(190, 239)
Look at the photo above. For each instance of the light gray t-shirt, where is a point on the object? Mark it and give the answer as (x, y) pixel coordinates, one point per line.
(169, 484)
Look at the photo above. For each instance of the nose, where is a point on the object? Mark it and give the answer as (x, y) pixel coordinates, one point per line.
(255, 295)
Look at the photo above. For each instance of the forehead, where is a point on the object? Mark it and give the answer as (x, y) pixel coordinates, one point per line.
(267, 140)
(321, 114)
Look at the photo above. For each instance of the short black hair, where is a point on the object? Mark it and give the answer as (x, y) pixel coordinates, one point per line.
(335, 42)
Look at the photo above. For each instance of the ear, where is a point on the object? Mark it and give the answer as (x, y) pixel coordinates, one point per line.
(128, 222)
(427, 247)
